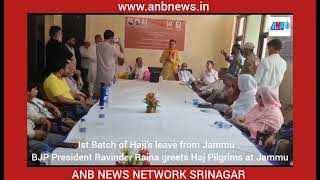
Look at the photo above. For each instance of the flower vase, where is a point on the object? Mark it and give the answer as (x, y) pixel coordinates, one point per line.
(151, 109)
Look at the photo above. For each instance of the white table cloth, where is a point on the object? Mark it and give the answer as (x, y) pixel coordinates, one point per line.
(176, 120)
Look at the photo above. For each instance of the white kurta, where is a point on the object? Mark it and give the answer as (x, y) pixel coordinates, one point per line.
(270, 72)
(185, 76)
(89, 61)
(209, 77)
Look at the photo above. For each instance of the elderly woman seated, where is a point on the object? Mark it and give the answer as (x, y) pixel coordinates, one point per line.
(265, 116)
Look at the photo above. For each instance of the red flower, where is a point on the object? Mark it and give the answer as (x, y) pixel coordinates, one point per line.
(144, 152)
(146, 163)
(119, 163)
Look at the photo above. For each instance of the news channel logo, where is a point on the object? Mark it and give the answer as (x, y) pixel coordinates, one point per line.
(280, 26)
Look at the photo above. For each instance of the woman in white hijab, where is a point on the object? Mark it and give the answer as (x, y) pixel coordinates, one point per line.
(246, 100)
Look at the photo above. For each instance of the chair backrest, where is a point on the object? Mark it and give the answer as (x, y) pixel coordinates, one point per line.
(190, 70)
(155, 69)
(154, 73)
(41, 94)
(262, 137)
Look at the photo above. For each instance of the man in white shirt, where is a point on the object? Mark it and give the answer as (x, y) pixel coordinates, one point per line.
(139, 69)
(43, 111)
(122, 69)
(185, 75)
(271, 69)
(218, 85)
(40, 137)
(209, 75)
(89, 63)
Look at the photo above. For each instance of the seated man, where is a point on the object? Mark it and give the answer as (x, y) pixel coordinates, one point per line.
(38, 109)
(228, 94)
(207, 77)
(222, 101)
(139, 69)
(185, 75)
(58, 91)
(122, 69)
(38, 137)
(74, 85)
(216, 86)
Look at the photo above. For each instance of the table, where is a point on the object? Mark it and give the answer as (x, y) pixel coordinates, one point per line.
(176, 121)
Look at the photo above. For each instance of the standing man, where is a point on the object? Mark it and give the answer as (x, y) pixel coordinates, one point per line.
(98, 38)
(236, 59)
(107, 57)
(56, 53)
(250, 64)
(271, 69)
(88, 59)
(70, 45)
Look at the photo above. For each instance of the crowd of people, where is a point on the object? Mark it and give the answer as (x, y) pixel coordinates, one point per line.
(246, 92)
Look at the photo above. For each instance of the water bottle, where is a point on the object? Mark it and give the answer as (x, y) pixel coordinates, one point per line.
(102, 93)
(226, 125)
(220, 124)
(45, 156)
(83, 129)
(101, 112)
(107, 94)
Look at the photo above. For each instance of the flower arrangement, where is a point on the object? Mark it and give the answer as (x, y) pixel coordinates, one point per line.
(152, 102)
(135, 159)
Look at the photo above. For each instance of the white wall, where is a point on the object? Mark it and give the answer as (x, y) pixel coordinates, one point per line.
(253, 30)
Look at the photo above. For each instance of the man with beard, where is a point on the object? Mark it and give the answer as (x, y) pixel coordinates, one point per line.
(108, 53)
(70, 45)
(58, 92)
(56, 52)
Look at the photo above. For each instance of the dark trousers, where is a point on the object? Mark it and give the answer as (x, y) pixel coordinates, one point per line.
(84, 75)
(75, 112)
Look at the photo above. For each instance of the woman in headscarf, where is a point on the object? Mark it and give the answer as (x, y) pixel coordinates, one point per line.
(246, 100)
(264, 116)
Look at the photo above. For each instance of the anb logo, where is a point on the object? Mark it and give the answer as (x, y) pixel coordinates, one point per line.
(279, 26)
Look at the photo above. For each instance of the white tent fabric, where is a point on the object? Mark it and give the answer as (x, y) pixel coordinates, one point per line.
(175, 121)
